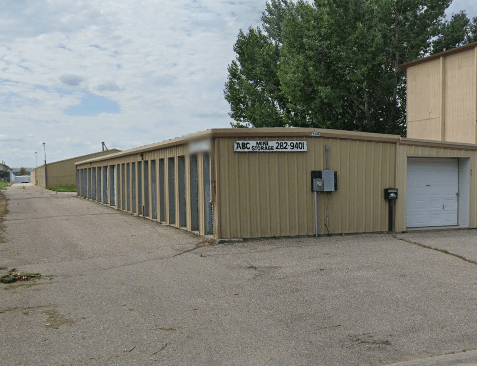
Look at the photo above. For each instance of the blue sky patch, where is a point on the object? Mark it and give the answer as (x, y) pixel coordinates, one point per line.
(92, 105)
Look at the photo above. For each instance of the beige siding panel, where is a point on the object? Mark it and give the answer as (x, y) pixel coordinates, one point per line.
(425, 129)
(254, 197)
(345, 185)
(377, 204)
(64, 172)
(361, 185)
(263, 197)
(293, 189)
(275, 228)
(282, 193)
(223, 186)
(442, 97)
(244, 186)
(332, 214)
(423, 100)
(461, 127)
(234, 186)
(460, 97)
(278, 200)
(312, 163)
(303, 183)
(353, 194)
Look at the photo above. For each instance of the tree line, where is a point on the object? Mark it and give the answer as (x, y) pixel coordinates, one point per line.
(334, 63)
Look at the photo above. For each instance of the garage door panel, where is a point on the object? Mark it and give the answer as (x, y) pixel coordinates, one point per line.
(432, 185)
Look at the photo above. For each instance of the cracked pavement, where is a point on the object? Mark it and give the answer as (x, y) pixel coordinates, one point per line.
(121, 290)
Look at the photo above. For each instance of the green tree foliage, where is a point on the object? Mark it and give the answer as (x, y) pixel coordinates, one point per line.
(334, 63)
(22, 171)
(456, 32)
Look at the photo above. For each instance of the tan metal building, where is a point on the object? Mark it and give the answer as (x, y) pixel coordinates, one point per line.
(442, 96)
(244, 183)
(62, 172)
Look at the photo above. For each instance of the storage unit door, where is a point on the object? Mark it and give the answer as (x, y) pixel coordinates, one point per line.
(432, 192)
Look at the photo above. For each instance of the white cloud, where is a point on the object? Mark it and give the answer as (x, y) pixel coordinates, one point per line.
(469, 6)
(163, 62)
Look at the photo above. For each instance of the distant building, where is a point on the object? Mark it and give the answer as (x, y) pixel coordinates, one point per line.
(5, 172)
(62, 172)
(14, 178)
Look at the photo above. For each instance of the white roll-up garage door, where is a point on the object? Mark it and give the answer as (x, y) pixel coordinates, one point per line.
(432, 192)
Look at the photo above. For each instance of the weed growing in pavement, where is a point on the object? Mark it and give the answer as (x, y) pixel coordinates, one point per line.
(13, 276)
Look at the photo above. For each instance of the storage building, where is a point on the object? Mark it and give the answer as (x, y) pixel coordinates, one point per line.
(267, 182)
(245, 183)
(61, 172)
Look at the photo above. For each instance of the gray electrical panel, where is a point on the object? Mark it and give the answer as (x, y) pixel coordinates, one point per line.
(329, 180)
(324, 181)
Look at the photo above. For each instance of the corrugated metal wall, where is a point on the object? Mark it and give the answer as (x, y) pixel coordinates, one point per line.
(33, 176)
(442, 97)
(460, 97)
(38, 176)
(266, 194)
(424, 101)
(64, 172)
(269, 193)
(155, 184)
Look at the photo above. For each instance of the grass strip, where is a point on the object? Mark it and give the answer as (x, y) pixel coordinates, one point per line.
(63, 188)
(3, 184)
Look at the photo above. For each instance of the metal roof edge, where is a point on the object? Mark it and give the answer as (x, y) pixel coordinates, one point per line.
(437, 55)
(301, 132)
(439, 144)
(253, 133)
(82, 156)
(158, 145)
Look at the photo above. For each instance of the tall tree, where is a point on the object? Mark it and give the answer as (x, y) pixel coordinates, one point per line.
(334, 63)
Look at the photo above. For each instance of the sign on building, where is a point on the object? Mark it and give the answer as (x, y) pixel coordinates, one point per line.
(270, 146)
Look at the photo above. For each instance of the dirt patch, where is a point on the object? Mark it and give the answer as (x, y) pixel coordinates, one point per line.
(56, 319)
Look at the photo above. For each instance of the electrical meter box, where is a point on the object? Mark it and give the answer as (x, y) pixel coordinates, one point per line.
(324, 180)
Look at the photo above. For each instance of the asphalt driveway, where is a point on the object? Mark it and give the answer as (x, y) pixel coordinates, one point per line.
(121, 290)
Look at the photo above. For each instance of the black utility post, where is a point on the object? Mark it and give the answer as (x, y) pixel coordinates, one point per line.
(44, 149)
(391, 194)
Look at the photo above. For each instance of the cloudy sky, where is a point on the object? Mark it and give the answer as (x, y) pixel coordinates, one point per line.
(129, 73)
